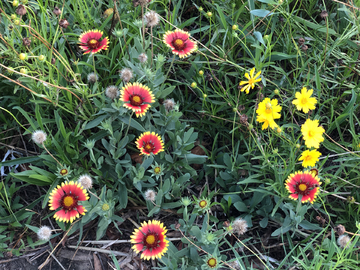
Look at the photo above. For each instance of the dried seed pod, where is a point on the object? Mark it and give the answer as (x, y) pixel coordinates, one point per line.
(63, 23)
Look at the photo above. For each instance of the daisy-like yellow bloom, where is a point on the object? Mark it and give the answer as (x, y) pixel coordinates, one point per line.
(267, 111)
(266, 122)
(312, 133)
(304, 101)
(309, 158)
(252, 80)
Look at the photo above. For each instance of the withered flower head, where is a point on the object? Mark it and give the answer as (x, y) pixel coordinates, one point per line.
(301, 41)
(323, 14)
(304, 47)
(63, 23)
(57, 11)
(26, 41)
(21, 10)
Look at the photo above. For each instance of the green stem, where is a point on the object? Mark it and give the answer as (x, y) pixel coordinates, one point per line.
(172, 62)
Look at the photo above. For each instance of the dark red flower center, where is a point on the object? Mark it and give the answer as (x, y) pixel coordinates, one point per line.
(69, 202)
(179, 44)
(151, 240)
(136, 100)
(149, 147)
(93, 43)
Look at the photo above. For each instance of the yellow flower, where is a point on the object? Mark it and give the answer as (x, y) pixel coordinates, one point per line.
(267, 111)
(309, 158)
(267, 122)
(312, 133)
(304, 101)
(252, 80)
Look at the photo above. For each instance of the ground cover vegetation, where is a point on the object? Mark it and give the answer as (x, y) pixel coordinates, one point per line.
(197, 134)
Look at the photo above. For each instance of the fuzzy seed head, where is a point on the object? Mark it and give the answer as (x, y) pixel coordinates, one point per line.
(86, 181)
(344, 241)
(169, 104)
(151, 18)
(112, 91)
(126, 74)
(44, 233)
(142, 57)
(38, 136)
(150, 195)
(240, 226)
(92, 77)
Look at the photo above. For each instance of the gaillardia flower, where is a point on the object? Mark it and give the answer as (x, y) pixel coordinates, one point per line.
(252, 80)
(309, 158)
(65, 199)
(137, 97)
(305, 184)
(304, 101)
(90, 41)
(150, 239)
(150, 142)
(312, 133)
(178, 41)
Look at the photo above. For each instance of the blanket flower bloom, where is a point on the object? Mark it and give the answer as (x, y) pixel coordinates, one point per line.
(66, 198)
(251, 82)
(137, 97)
(150, 239)
(309, 158)
(312, 133)
(179, 42)
(304, 101)
(90, 41)
(150, 142)
(267, 111)
(305, 184)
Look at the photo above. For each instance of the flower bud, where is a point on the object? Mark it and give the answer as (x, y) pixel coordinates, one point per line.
(13, 16)
(23, 56)
(276, 91)
(209, 14)
(235, 27)
(42, 58)
(201, 9)
(193, 85)
(23, 71)
(15, 3)
(17, 22)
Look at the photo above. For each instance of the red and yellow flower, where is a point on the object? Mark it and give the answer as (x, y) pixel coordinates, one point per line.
(305, 183)
(150, 239)
(137, 97)
(65, 199)
(90, 41)
(179, 42)
(150, 142)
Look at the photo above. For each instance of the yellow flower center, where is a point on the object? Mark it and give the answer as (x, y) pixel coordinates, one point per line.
(302, 187)
(63, 172)
(150, 239)
(179, 44)
(304, 101)
(136, 100)
(202, 204)
(311, 133)
(68, 201)
(212, 262)
(148, 147)
(157, 170)
(92, 43)
(268, 108)
(105, 207)
(307, 158)
(251, 80)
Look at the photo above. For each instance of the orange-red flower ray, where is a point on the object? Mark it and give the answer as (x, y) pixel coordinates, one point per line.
(179, 42)
(65, 199)
(150, 239)
(137, 97)
(90, 41)
(150, 142)
(305, 184)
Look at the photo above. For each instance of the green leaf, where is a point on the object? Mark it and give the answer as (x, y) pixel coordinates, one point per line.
(21, 160)
(260, 12)
(314, 26)
(240, 206)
